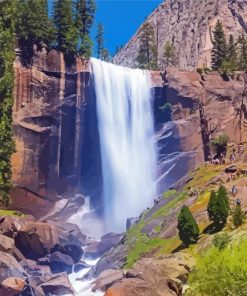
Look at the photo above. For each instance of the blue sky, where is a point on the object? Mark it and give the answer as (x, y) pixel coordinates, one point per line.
(121, 19)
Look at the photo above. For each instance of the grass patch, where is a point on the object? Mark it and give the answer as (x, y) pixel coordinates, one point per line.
(169, 193)
(163, 211)
(220, 272)
(204, 174)
(10, 213)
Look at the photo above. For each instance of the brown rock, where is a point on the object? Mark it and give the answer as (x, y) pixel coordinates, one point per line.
(9, 267)
(6, 244)
(57, 285)
(12, 286)
(106, 279)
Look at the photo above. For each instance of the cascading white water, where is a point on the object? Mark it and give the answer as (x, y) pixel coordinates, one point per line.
(128, 152)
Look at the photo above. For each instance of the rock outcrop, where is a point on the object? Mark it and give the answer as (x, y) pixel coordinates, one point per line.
(188, 25)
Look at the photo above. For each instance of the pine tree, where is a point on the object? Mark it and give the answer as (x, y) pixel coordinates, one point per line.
(65, 31)
(211, 209)
(100, 40)
(84, 18)
(105, 55)
(238, 216)
(219, 51)
(232, 56)
(32, 26)
(187, 226)
(147, 56)
(169, 55)
(218, 207)
(242, 43)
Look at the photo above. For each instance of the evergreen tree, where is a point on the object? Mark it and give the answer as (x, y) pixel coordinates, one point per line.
(211, 209)
(105, 55)
(65, 31)
(238, 216)
(169, 55)
(100, 40)
(187, 226)
(84, 18)
(147, 56)
(32, 26)
(218, 207)
(242, 43)
(232, 56)
(219, 51)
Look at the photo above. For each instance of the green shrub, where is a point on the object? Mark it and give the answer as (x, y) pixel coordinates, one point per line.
(221, 240)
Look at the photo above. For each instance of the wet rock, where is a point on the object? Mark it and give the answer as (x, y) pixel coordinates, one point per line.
(98, 248)
(106, 279)
(81, 265)
(74, 251)
(60, 262)
(57, 285)
(130, 222)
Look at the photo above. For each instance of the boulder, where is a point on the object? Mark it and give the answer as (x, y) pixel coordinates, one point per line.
(12, 286)
(106, 279)
(30, 245)
(74, 251)
(60, 262)
(46, 232)
(9, 267)
(231, 169)
(36, 239)
(57, 285)
(6, 244)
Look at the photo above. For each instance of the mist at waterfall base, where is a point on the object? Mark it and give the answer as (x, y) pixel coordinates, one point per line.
(126, 130)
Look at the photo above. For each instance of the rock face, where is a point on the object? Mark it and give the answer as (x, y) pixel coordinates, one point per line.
(188, 25)
(56, 133)
(47, 113)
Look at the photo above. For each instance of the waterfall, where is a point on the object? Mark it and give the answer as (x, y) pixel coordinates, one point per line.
(128, 152)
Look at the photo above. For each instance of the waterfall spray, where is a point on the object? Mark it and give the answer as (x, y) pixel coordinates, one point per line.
(127, 146)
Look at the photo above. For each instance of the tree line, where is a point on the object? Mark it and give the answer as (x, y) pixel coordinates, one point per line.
(228, 55)
(67, 28)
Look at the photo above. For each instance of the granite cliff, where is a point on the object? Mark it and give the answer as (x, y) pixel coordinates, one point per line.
(55, 116)
(188, 25)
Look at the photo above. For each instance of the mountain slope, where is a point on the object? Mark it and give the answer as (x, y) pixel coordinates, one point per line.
(188, 25)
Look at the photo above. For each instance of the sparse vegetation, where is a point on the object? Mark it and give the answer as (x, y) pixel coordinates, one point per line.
(237, 216)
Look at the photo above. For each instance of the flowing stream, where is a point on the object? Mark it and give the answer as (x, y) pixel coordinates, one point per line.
(128, 152)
